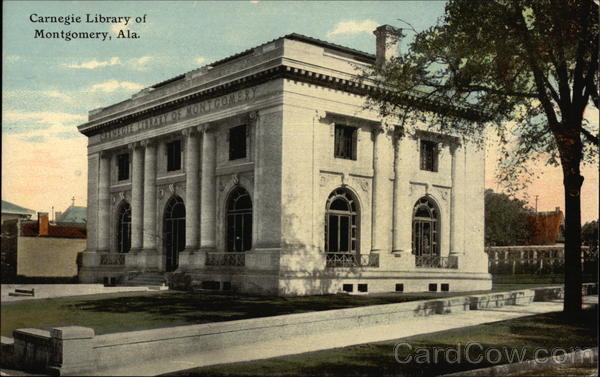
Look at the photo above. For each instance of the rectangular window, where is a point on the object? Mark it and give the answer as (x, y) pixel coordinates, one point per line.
(429, 155)
(123, 166)
(174, 155)
(345, 142)
(237, 142)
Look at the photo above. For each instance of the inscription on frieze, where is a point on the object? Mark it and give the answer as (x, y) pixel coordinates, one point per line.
(184, 113)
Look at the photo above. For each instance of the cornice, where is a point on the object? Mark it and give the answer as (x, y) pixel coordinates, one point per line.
(281, 71)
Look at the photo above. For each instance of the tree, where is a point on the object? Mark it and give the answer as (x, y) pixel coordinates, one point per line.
(589, 235)
(505, 220)
(528, 69)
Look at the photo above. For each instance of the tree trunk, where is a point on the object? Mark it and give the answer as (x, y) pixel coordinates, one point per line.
(572, 185)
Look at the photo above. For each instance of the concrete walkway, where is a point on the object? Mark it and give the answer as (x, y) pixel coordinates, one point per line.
(411, 327)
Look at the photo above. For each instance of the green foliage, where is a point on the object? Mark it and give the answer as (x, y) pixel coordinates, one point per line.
(589, 233)
(505, 220)
(526, 66)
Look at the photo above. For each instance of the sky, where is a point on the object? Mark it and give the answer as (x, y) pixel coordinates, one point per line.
(49, 85)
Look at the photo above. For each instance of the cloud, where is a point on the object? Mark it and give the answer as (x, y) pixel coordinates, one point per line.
(143, 59)
(113, 85)
(27, 96)
(43, 117)
(56, 94)
(139, 64)
(353, 27)
(200, 60)
(12, 58)
(34, 139)
(92, 64)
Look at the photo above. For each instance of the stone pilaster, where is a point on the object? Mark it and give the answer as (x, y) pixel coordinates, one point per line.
(104, 203)
(137, 196)
(268, 162)
(92, 206)
(192, 196)
(401, 242)
(208, 190)
(149, 222)
(381, 211)
(456, 220)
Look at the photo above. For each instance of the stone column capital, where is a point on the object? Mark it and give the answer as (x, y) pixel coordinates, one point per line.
(189, 131)
(205, 128)
(320, 114)
(134, 145)
(148, 143)
(454, 147)
(381, 128)
(398, 132)
(104, 155)
(253, 117)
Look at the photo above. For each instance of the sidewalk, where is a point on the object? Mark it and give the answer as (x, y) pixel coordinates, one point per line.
(44, 291)
(412, 327)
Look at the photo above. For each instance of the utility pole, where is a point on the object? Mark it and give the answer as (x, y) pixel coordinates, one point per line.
(536, 201)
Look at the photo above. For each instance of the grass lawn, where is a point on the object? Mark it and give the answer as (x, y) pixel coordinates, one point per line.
(583, 369)
(135, 311)
(547, 331)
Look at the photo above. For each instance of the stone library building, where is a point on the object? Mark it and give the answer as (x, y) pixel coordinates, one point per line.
(265, 173)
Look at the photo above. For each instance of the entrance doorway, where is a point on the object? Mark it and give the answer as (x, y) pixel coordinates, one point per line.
(174, 232)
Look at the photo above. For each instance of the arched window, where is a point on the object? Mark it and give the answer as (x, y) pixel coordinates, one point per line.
(341, 222)
(124, 228)
(425, 235)
(174, 232)
(239, 220)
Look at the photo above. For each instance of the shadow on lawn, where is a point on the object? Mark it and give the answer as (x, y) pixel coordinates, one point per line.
(201, 307)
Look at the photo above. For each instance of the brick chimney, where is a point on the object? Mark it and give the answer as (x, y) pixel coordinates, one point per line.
(43, 223)
(388, 43)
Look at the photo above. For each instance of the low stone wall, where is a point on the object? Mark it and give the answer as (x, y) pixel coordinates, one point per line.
(7, 349)
(75, 350)
(498, 300)
(33, 348)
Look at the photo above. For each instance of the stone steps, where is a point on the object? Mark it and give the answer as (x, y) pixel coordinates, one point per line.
(146, 279)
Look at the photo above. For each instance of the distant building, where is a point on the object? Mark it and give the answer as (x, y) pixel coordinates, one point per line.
(39, 249)
(12, 211)
(545, 227)
(72, 215)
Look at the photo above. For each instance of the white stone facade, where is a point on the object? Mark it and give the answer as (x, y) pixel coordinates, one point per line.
(257, 220)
